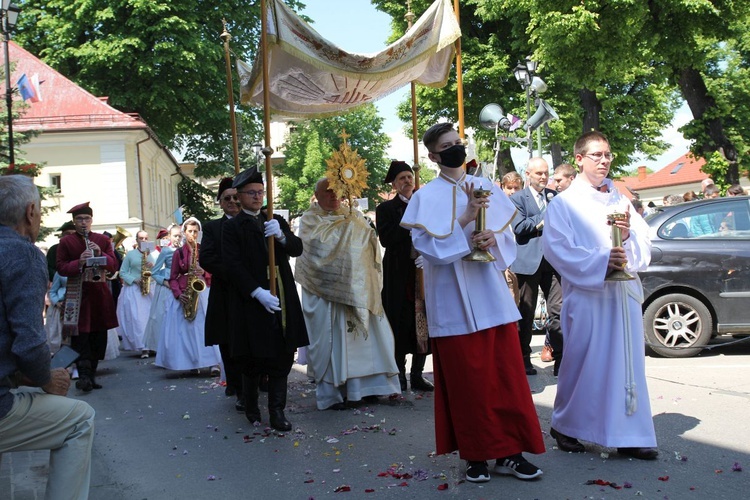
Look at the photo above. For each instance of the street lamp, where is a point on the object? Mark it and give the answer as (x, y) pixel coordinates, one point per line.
(9, 18)
(532, 85)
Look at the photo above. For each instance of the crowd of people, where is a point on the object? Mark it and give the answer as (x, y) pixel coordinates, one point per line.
(202, 297)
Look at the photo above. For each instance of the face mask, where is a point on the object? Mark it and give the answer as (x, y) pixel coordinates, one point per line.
(453, 157)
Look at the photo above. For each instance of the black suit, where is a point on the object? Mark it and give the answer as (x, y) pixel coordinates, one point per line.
(399, 283)
(217, 313)
(262, 342)
(534, 272)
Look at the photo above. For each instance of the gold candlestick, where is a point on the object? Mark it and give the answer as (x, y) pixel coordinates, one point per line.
(477, 254)
(617, 274)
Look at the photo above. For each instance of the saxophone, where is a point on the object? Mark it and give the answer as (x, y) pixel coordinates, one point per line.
(145, 275)
(195, 286)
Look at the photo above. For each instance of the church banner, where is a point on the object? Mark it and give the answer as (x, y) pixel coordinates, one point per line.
(311, 77)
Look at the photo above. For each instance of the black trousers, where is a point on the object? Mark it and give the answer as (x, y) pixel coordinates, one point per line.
(90, 345)
(232, 369)
(548, 280)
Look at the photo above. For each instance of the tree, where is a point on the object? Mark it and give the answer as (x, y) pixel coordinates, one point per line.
(162, 59)
(313, 141)
(592, 66)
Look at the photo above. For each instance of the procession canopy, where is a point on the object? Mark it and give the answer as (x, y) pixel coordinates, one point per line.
(311, 77)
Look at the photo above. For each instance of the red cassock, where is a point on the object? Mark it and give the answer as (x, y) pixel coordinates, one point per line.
(97, 311)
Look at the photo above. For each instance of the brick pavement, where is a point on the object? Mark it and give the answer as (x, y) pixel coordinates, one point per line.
(24, 474)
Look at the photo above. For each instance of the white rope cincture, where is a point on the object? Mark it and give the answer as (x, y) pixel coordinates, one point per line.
(631, 394)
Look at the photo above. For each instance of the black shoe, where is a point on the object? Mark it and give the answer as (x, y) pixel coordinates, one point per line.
(639, 453)
(530, 370)
(84, 384)
(230, 391)
(419, 383)
(252, 417)
(371, 399)
(516, 465)
(402, 381)
(477, 472)
(567, 443)
(94, 385)
(240, 405)
(337, 407)
(279, 421)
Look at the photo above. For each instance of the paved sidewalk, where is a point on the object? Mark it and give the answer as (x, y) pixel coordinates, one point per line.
(24, 474)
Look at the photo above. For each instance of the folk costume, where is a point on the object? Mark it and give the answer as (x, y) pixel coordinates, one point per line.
(483, 405)
(602, 395)
(162, 298)
(351, 353)
(53, 318)
(87, 296)
(399, 282)
(132, 306)
(181, 343)
(262, 342)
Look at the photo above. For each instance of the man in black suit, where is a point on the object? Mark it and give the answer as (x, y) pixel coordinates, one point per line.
(217, 313)
(264, 333)
(399, 276)
(531, 268)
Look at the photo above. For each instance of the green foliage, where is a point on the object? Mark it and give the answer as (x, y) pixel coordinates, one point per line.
(162, 59)
(313, 141)
(195, 200)
(716, 167)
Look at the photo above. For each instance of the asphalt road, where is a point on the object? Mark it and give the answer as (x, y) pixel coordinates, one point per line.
(165, 436)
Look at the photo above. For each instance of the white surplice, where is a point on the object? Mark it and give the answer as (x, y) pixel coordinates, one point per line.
(602, 395)
(432, 217)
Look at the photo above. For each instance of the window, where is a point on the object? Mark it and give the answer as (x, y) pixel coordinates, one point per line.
(55, 182)
(730, 219)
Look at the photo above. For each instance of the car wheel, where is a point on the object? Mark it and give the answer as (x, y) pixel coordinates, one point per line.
(675, 323)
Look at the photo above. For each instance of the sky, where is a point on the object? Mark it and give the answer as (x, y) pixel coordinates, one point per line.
(366, 30)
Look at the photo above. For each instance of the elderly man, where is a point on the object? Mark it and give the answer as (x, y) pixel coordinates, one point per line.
(351, 353)
(34, 419)
(89, 307)
(264, 332)
(399, 276)
(531, 268)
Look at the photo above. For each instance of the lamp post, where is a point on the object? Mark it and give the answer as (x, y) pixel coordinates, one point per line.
(525, 73)
(9, 15)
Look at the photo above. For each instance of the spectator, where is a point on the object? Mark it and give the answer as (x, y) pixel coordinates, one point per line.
(33, 419)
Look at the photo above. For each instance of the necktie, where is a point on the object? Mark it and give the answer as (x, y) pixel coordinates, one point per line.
(541, 203)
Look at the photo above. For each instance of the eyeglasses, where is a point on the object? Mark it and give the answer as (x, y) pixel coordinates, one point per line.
(252, 193)
(230, 197)
(599, 155)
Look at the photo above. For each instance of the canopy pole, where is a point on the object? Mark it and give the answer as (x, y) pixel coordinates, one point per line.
(267, 150)
(225, 36)
(459, 77)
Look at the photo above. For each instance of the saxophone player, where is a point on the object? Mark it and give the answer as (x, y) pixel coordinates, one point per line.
(181, 343)
(133, 305)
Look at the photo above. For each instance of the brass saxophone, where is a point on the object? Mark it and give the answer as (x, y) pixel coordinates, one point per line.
(195, 286)
(145, 275)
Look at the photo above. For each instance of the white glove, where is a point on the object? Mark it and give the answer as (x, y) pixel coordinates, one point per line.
(270, 302)
(419, 262)
(273, 229)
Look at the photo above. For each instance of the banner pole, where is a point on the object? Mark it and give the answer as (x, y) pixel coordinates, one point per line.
(267, 150)
(225, 36)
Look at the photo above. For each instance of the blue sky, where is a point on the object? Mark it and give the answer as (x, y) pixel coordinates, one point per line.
(356, 26)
